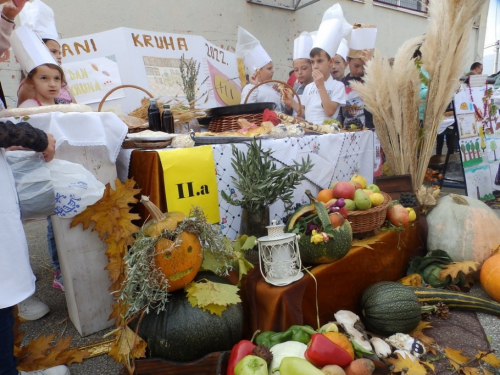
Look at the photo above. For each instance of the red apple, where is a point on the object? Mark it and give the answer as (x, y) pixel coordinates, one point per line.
(356, 184)
(343, 211)
(336, 219)
(344, 190)
(398, 215)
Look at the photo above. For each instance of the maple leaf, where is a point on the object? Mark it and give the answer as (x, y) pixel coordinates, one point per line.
(115, 253)
(420, 335)
(490, 358)
(111, 214)
(456, 358)
(366, 242)
(407, 365)
(127, 345)
(214, 297)
(466, 267)
(411, 280)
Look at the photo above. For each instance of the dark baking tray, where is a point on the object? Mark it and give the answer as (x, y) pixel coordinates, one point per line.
(240, 109)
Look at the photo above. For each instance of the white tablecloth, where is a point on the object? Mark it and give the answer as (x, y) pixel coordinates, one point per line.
(335, 157)
(81, 129)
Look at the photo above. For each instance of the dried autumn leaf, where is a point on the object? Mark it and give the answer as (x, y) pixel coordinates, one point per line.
(490, 358)
(455, 357)
(407, 366)
(127, 345)
(111, 214)
(214, 297)
(366, 242)
(411, 280)
(115, 253)
(420, 335)
(453, 269)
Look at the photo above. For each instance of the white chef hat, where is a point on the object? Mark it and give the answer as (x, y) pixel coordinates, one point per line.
(39, 17)
(249, 49)
(343, 49)
(362, 37)
(302, 46)
(332, 29)
(29, 49)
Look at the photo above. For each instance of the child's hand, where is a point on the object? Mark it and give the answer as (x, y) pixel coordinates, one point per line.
(253, 79)
(287, 98)
(12, 8)
(318, 78)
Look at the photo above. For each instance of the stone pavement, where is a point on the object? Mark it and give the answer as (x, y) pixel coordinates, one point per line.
(58, 320)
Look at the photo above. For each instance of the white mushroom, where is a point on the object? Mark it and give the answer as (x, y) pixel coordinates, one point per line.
(382, 349)
(410, 345)
(347, 319)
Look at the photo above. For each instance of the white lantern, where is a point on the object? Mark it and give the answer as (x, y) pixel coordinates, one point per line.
(279, 256)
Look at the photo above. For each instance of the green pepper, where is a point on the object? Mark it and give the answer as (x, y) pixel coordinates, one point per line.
(297, 366)
(294, 333)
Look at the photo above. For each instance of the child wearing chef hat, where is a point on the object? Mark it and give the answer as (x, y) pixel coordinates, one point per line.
(259, 66)
(302, 68)
(340, 61)
(323, 97)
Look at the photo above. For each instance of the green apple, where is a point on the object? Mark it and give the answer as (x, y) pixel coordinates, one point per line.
(373, 188)
(350, 205)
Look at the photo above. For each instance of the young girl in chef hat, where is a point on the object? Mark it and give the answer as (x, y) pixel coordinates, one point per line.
(39, 17)
(260, 68)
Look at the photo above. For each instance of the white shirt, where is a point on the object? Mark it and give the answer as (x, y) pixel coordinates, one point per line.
(263, 93)
(496, 97)
(311, 100)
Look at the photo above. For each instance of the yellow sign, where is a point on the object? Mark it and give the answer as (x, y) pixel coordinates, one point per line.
(190, 180)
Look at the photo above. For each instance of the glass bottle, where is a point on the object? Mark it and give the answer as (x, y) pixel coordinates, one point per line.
(167, 120)
(154, 116)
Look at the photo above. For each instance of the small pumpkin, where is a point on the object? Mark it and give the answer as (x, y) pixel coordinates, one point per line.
(490, 276)
(159, 221)
(390, 307)
(184, 333)
(464, 227)
(179, 259)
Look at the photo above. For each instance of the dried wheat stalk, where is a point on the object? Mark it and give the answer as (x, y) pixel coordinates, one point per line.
(444, 56)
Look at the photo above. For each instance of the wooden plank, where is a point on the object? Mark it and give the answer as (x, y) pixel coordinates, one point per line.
(82, 254)
(212, 364)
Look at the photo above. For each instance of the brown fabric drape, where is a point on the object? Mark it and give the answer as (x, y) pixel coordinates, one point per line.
(340, 284)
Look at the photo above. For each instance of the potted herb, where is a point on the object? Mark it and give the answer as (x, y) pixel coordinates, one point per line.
(261, 184)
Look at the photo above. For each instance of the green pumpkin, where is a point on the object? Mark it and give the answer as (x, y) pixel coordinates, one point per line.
(184, 333)
(327, 252)
(389, 307)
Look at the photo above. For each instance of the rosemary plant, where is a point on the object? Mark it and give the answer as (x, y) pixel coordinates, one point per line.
(260, 181)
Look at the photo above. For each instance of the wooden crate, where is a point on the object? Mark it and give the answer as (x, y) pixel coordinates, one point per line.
(395, 185)
(211, 364)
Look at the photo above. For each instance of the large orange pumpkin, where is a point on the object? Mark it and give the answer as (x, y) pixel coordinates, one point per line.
(464, 227)
(490, 277)
(180, 263)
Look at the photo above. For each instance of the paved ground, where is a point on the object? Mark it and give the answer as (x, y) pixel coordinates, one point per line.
(58, 321)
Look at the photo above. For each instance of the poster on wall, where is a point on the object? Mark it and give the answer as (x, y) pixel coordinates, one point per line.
(152, 61)
(478, 121)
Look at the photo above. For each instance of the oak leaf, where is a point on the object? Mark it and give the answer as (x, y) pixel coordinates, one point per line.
(490, 358)
(406, 365)
(422, 337)
(127, 345)
(111, 214)
(453, 269)
(456, 358)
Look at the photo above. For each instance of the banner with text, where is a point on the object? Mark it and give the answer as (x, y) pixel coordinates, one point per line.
(150, 60)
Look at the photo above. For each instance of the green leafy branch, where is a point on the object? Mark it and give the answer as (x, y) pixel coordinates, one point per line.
(260, 181)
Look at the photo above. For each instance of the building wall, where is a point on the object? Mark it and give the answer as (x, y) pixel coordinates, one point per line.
(217, 21)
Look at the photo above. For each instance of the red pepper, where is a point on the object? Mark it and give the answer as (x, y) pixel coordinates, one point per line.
(240, 350)
(321, 352)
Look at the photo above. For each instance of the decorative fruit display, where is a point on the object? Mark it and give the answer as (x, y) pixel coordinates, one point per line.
(373, 188)
(412, 215)
(377, 199)
(490, 276)
(408, 200)
(389, 307)
(341, 340)
(184, 333)
(344, 190)
(356, 185)
(325, 195)
(464, 227)
(324, 237)
(350, 205)
(361, 200)
(359, 179)
(397, 215)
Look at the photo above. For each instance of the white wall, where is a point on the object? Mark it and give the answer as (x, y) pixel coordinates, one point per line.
(217, 21)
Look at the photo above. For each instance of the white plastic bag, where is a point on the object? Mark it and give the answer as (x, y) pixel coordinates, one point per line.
(75, 187)
(33, 184)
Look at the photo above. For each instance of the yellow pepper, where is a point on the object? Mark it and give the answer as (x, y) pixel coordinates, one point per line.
(412, 215)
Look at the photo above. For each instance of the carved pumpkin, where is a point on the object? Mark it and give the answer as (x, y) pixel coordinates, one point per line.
(490, 277)
(464, 227)
(160, 221)
(180, 263)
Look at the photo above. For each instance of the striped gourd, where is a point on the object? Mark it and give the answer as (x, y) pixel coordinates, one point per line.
(456, 300)
(389, 307)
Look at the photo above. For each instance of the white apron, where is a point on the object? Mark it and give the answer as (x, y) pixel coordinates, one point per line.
(262, 94)
(17, 281)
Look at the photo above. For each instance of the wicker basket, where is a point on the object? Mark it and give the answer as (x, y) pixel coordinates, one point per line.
(229, 123)
(368, 220)
(121, 87)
